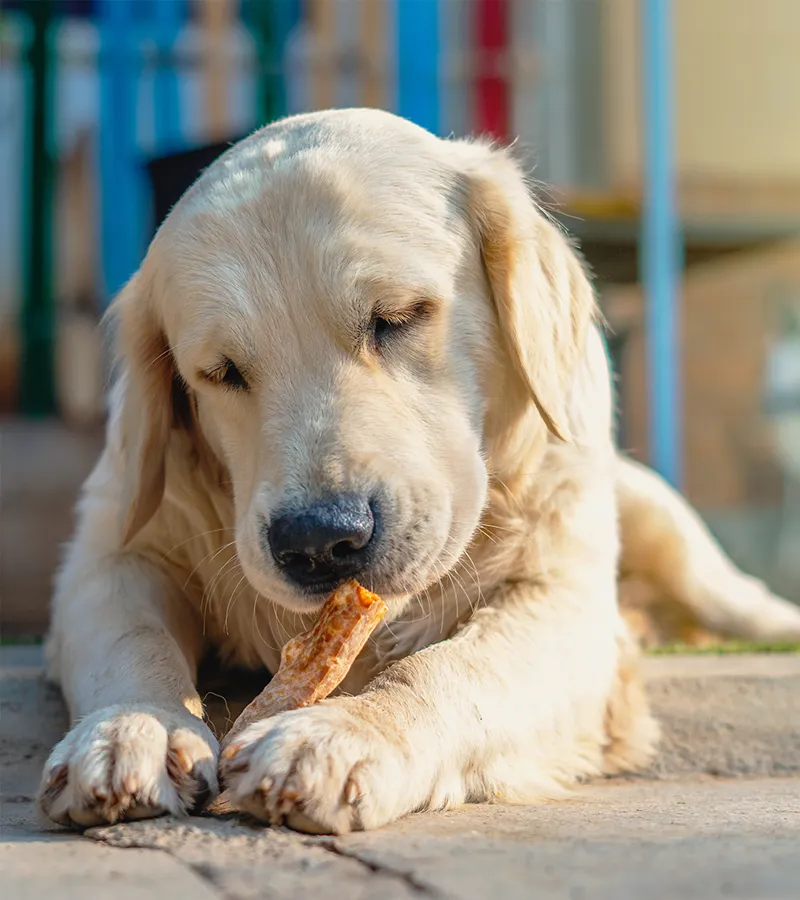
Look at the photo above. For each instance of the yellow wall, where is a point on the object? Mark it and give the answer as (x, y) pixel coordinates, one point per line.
(737, 88)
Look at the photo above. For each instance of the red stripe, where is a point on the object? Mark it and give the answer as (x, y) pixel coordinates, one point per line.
(491, 83)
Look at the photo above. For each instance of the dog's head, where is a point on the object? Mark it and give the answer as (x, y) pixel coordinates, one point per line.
(357, 313)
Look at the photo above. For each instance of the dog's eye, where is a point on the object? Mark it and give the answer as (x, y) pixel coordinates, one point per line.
(385, 327)
(233, 377)
(382, 328)
(228, 374)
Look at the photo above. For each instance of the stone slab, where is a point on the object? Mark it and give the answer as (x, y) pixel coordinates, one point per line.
(692, 840)
(678, 833)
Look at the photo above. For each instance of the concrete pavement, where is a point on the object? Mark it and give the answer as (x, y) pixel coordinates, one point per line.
(718, 817)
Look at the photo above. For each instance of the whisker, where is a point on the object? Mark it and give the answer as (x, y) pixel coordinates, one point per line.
(256, 626)
(228, 716)
(216, 553)
(195, 537)
(234, 595)
(508, 490)
(231, 565)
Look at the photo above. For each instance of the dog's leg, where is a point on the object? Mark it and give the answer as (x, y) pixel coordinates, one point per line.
(138, 746)
(665, 542)
(514, 706)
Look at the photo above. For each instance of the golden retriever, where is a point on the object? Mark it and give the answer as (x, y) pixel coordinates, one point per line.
(356, 350)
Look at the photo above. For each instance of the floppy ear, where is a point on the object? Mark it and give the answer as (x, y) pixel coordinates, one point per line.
(543, 298)
(152, 397)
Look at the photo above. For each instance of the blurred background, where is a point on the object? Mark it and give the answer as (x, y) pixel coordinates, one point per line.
(667, 135)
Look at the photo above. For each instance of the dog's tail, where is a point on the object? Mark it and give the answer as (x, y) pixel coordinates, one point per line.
(665, 543)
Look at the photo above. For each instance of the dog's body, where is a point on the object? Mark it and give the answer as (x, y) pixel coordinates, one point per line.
(349, 320)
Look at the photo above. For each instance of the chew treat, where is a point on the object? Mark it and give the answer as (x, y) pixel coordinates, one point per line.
(315, 663)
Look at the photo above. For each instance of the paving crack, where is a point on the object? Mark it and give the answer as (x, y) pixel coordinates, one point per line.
(413, 883)
(239, 862)
(201, 871)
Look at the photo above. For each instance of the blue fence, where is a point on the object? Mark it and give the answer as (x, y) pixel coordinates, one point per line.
(148, 54)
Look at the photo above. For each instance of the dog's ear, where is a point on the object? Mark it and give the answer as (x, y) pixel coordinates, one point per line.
(153, 402)
(543, 298)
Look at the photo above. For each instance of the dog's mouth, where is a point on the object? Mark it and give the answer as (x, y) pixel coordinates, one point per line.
(396, 586)
(310, 599)
(412, 553)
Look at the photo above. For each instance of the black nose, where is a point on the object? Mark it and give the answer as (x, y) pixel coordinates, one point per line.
(325, 544)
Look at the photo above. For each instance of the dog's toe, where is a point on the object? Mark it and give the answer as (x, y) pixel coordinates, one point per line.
(129, 764)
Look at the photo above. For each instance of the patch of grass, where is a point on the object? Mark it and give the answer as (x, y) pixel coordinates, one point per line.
(17, 640)
(725, 647)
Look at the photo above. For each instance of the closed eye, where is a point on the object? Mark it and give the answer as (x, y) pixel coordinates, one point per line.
(227, 373)
(387, 325)
(383, 328)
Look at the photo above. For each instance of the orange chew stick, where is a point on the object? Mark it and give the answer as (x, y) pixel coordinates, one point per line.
(314, 663)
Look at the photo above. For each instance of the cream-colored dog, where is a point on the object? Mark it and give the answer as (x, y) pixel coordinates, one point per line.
(356, 350)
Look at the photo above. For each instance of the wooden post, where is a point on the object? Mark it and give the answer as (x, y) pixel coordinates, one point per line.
(217, 18)
(373, 50)
(322, 17)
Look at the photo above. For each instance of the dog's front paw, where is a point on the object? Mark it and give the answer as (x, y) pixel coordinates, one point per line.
(129, 763)
(327, 769)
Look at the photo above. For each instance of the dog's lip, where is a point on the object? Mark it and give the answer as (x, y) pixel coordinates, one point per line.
(313, 599)
(390, 587)
(319, 593)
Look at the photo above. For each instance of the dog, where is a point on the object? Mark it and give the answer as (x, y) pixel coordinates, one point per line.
(355, 350)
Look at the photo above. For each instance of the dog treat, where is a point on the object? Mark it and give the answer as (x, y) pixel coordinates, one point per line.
(314, 663)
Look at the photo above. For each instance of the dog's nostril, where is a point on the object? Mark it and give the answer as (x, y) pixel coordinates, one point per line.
(345, 548)
(324, 543)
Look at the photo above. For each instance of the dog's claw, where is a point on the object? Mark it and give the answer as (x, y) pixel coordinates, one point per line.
(351, 792)
(266, 786)
(58, 777)
(236, 765)
(287, 800)
(183, 759)
(131, 785)
(231, 751)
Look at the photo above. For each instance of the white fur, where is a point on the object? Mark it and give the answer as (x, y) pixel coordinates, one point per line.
(504, 670)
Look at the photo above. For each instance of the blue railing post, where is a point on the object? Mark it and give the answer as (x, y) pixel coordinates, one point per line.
(660, 242)
(121, 194)
(418, 62)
